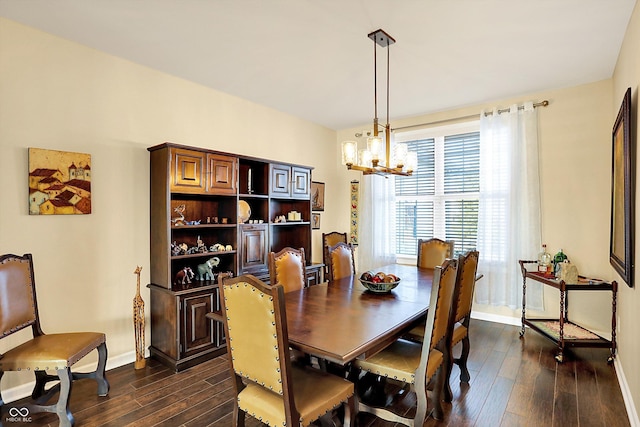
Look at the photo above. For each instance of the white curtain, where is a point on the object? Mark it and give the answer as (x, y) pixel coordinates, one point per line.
(509, 210)
(377, 225)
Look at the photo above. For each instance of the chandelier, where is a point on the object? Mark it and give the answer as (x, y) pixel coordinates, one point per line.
(378, 157)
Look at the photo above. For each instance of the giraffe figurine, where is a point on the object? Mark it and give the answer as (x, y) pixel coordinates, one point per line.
(138, 324)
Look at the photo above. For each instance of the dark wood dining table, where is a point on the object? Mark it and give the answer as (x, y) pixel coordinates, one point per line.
(341, 320)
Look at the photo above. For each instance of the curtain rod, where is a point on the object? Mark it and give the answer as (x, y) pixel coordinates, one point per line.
(470, 116)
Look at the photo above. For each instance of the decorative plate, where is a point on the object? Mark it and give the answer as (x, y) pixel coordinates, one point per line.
(244, 211)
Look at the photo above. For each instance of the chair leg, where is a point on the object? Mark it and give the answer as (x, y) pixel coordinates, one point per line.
(99, 373)
(103, 384)
(438, 387)
(40, 394)
(238, 416)
(462, 361)
(421, 403)
(350, 411)
(1, 401)
(448, 367)
(62, 407)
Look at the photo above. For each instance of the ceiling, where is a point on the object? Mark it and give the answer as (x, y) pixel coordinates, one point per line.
(313, 59)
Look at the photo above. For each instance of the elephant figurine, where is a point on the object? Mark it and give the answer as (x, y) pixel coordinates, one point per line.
(205, 271)
(184, 276)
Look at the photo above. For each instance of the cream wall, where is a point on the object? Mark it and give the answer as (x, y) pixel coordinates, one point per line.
(59, 95)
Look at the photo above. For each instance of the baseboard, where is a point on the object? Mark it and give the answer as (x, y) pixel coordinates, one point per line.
(496, 318)
(24, 390)
(626, 394)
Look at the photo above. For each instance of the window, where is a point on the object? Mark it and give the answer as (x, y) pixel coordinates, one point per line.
(440, 199)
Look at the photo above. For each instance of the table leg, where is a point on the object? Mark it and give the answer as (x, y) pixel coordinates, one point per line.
(560, 355)
(524, 303)
(614, 293)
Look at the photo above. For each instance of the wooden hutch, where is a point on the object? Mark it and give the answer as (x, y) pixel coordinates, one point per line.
(210, 185)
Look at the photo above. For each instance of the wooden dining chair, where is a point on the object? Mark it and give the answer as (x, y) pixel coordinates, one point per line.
(341, 261)
(328, 240)
(267, 386)
(43, 352)
(287, 267)
(461, 316)
(418, 364)
(433, 252)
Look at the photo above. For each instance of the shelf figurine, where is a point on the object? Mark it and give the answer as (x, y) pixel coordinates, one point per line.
(205, 271)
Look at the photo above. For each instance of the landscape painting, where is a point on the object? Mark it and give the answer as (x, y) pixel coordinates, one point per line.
(59, 182)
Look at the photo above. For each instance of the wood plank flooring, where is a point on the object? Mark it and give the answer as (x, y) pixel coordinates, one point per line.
(514, 382)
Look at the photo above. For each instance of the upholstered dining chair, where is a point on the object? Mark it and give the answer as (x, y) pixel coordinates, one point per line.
(267, 386)
(461, 316)
(328, 240)
(287, 267)
(341, 261)
(43, 352)
(433, 252)
(418, 364)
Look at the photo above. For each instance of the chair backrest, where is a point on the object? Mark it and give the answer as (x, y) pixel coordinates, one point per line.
(287, 267)
(444, 281)
(257, 342)
(18, 304)
(328, 240)
(341, 261)
(463, 294)
(433, 252)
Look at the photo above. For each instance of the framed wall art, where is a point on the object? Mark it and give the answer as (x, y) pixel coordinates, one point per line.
(317, 196)
(622, 193)
(315, 221)
(59, 182)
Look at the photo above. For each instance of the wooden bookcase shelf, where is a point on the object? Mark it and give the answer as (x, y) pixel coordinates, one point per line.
(207, 186)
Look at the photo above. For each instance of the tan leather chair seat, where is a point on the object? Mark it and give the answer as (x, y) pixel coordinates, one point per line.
(400, 361)
(315, 393)
(52, 351)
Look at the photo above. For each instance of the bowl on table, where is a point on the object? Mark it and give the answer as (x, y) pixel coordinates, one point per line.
(380, 282)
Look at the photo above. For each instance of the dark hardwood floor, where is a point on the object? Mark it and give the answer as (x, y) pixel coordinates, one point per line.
(514, 382)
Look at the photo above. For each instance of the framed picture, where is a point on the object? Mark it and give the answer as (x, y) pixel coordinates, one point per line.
(59, 182)
(317, 196)
(622, 193)
(315, 221)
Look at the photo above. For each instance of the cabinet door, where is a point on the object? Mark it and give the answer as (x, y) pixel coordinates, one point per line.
(187, 171)
(198, 329)
(222, 174)
(301, 183)
(254, 248)
(280, 181)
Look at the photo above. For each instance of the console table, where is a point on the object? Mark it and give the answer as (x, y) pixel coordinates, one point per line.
(562, 331)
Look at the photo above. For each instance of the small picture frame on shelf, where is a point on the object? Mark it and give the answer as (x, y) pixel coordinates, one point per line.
(315, 221)
(317, 196)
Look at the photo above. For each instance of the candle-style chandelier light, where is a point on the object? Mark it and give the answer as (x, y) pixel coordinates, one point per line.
(377, 158)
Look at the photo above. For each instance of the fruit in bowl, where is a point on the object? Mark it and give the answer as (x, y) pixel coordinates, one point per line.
(379, 282)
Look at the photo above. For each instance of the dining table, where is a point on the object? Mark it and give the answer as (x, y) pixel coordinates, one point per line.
(341, 320)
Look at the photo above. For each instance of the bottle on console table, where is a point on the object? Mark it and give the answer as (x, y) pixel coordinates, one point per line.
(544, 261)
